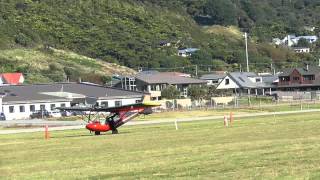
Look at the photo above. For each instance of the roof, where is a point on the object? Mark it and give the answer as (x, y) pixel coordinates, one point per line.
(11, 78)
(241, 78)
(295, 48)
(308, 37)
(312, 70)
(212, 76)
(176, 74)
(60, 92)
(243, 81)
(165, 78)
(188, 50)
(270, 78)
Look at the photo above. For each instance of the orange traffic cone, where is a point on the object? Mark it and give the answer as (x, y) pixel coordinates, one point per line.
(46, 132)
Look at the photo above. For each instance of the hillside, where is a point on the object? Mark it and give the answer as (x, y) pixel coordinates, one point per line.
(129, 32)
(40, 66)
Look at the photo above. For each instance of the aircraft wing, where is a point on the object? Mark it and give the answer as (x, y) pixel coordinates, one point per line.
(126, 107)
(110, 109)
(75, 108)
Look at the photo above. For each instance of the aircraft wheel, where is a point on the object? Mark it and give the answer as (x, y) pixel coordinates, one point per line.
(115, 131)
(97, 133)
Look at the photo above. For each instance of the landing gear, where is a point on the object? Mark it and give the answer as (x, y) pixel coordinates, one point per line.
(112, 124)
(115, 131)
(97, 133)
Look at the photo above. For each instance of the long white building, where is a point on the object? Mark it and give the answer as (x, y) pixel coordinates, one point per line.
(20, 101)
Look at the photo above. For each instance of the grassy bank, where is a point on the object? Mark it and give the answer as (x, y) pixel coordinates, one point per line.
(254, 148)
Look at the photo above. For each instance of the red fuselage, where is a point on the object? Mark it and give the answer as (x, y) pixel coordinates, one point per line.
(97, 126)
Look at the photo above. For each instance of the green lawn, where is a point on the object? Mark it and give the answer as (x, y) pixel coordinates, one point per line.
(286, 147)
(220, 112)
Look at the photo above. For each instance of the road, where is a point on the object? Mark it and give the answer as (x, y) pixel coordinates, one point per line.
(69, 125)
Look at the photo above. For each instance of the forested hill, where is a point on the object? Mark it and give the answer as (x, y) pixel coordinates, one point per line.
(129, 32)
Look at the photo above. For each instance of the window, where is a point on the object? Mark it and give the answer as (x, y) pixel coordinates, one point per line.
(63, 105)
(227, 82)
(309, 77)
(42, 107)
(104, 104)
(296, 78)
(117, 103)
(11, 109)
(22, 108)
(32, 108)
(258, 80)
(138, 101)
(153, 87)
(285, 78)
(52, 106)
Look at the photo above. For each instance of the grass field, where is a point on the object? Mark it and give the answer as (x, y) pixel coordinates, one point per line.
(226, 111)
(286, 147)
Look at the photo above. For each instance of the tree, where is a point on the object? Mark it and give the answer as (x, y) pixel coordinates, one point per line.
(197, 93)
(170, 92)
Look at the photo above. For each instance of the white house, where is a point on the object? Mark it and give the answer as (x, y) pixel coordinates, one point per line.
(301, 49)
(20, 101)
(187, 52)
(247, 83)
(291, 40)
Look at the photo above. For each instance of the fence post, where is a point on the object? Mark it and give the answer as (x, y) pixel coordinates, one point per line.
(225, 121)
(176, 124)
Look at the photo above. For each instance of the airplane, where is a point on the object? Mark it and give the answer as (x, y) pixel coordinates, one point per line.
(117, 117)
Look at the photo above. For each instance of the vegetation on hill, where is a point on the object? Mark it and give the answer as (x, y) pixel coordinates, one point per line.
(52, 65)
(129, 32)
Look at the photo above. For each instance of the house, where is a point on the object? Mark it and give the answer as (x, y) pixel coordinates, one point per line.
(187, 52)
(246, 83)
(176, 74)
(11, 78)
(301, 50)
(20, 101)
(154, 82)
(213, 79)
(300, 79)
(291, 40)
(164, 44)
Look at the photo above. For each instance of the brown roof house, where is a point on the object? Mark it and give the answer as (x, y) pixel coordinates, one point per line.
(300, 79)
(154, 82)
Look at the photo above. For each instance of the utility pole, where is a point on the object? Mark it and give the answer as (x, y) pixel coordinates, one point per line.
(196, 70)
(247, 58)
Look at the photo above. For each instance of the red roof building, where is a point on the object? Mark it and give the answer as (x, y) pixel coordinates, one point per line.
(12, 78)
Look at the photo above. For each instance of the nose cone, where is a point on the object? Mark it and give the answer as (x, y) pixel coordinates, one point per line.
(91, 126)
(97, 126)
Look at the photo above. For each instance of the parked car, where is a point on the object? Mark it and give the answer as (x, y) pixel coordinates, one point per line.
(2, 117)
(55, 114)
(40, 114)
(66, 113)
